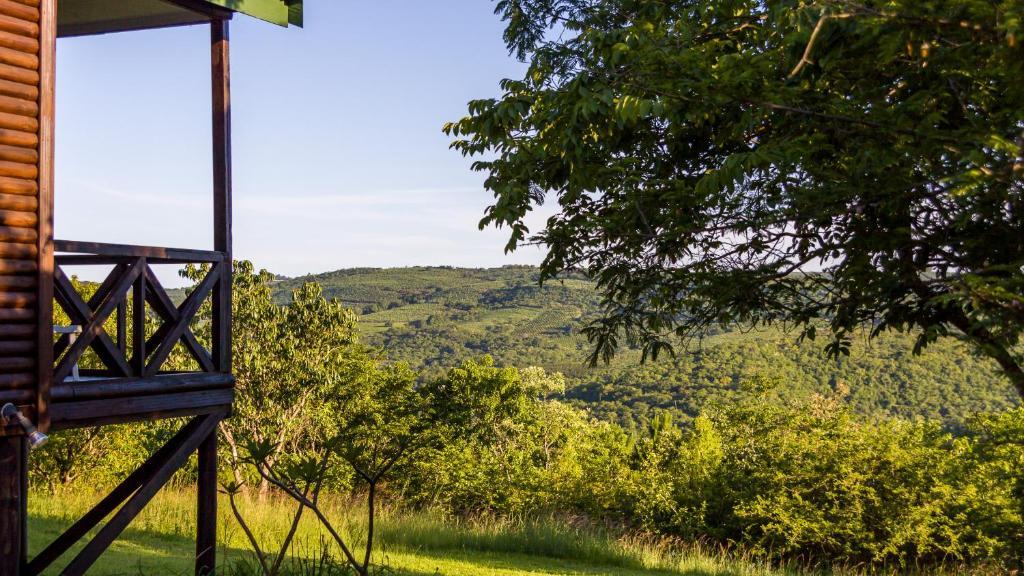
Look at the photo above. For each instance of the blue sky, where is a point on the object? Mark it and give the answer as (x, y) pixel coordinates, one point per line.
(339, 160)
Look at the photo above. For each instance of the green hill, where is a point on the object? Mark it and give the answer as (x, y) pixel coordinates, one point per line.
(435, 317)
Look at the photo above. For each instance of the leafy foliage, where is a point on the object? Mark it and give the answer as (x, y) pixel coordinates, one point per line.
(759, 162)
(810, 480)
(436, 318)
(766, 451)
(288, 359)
(800, 480)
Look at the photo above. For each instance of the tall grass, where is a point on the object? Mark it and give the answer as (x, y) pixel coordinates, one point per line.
(172, 515)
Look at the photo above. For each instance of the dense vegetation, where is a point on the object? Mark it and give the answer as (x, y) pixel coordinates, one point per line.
(801, 480)
(825, 164)
(835, 166)
(777, 461)
(435, 318)
(416, 543)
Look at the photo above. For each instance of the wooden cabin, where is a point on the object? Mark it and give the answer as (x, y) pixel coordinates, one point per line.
(39, 363)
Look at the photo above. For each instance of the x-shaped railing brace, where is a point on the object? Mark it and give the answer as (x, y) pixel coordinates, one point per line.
(93, 314)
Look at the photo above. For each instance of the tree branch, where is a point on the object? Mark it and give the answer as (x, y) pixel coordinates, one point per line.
(806, 57)
(248, 533)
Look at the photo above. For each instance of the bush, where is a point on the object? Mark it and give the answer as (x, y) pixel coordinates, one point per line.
(805, 481)
(810, 481)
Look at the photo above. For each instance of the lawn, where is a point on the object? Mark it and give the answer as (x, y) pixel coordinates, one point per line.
(160, 542)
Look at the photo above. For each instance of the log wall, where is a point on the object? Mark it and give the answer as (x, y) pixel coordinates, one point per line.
(25, 200)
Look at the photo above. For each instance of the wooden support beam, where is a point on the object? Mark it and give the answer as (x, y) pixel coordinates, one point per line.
(221, 81)
(153, 253)
(152, 483)
(135, 408)
(204, 8)
(206, 507)
(108, 504)
(122, 326)
(44, 225)
(164, 307)
(138, 359)
(169, 334)
(13, 499)
(116, 388)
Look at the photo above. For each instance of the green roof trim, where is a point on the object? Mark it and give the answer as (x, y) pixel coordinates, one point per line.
(280, 12)
(295, 13)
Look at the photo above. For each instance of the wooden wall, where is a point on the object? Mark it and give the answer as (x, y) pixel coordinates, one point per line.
(26, 113)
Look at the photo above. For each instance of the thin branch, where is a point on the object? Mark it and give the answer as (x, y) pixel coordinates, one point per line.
(851, 120)
(316, 510)
(806, 57)
(294, 527)
(248, 533)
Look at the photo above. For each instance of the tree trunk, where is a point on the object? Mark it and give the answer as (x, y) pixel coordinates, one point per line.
(371, 509)
(236, 471)
(993, 348)
(1010, 366)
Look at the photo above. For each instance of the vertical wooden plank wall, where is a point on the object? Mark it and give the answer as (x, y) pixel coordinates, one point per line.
(25, 54)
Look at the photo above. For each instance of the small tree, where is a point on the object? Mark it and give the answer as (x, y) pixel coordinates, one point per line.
(378, 418)
(284, 356)
(510, 454)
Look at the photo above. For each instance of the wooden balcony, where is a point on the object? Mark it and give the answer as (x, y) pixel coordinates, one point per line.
(132, 325)
(127, 351)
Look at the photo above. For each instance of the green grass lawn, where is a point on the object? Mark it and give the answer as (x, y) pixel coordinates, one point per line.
(504, 564)
(160, 541)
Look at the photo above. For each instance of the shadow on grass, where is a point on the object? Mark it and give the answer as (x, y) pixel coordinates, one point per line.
(136, 552)
(141, 551)
(452, 563)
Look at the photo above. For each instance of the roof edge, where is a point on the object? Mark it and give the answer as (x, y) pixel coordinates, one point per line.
(280, 12)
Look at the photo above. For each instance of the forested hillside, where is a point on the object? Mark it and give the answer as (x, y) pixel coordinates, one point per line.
(435, 318)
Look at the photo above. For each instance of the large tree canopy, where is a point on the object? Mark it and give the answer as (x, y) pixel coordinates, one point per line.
(803, 162)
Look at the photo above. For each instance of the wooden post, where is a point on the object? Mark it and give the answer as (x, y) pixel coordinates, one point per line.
(221, 76)
(138, 361)
(13, 502)
(184, 445)
(125, 490)
(44, 231)
(206, 531)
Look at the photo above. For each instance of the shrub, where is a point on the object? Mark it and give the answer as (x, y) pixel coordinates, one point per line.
(810, 481)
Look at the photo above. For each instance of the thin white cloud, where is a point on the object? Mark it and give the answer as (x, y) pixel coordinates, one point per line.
(389, 198)
(140, 198)
(296, 234)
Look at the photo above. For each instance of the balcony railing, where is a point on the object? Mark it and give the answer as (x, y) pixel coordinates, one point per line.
(145, 332)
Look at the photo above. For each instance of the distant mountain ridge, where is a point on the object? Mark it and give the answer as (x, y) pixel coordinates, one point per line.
(435, 317)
